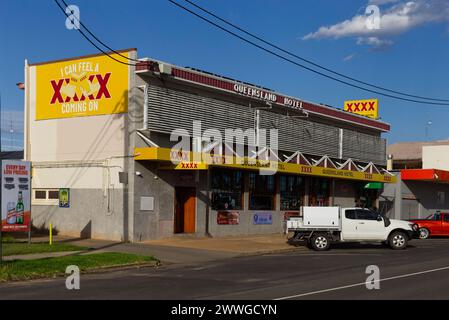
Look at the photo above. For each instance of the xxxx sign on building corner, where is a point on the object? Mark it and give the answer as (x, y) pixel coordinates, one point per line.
(90, 86)
(368, 108)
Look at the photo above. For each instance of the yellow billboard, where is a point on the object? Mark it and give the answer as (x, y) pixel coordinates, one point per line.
(88, 86)
(368, 108)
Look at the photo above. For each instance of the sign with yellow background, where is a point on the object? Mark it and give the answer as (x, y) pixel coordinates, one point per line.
(90, 86)
(368, 108)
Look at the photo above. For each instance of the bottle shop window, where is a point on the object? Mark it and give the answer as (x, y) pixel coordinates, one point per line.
(45, 197)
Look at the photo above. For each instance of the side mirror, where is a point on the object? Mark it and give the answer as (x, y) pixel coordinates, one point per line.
(379, 218)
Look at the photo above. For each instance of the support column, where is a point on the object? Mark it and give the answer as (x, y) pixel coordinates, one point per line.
(398, 198)
(306, 190)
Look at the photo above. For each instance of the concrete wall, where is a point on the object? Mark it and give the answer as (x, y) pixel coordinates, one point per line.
(429, 198)
(390, 201)
(160, 184)
(416, 199)
(435, 157)
(91, 215)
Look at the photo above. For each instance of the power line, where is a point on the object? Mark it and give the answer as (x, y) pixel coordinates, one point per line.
(260, 47)
(298, 64)
(96, 38)
(91, 42)
(306, 60)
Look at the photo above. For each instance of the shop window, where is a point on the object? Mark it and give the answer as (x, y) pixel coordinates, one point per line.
(53, 194)
(49, 197)
(40, 194)
(364, 197)
(227, 190)
(262, 191)
(291, 189)
(319, 192)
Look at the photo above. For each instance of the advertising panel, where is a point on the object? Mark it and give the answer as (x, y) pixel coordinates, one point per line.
(89, 86)
(368, 108)
(262, 218)
(227, 217)
(64, 198)
(16, 196)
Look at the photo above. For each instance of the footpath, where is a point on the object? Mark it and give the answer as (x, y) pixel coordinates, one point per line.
(178, 250)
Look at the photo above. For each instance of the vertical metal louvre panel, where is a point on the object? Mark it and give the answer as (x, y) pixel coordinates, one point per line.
(172, 109)
(364, 147)
(299, 134)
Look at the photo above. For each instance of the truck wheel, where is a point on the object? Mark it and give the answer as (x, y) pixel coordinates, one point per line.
(398, 240)
(320, 242)
(424, 233)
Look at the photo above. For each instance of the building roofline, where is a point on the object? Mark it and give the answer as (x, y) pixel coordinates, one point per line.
(312, 107)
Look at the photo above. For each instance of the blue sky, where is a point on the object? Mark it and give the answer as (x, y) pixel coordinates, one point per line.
(409, 53)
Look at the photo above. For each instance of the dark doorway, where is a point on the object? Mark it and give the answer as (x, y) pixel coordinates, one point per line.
(185, 210)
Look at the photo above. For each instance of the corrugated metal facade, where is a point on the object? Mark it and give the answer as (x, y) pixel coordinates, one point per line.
(170, 109)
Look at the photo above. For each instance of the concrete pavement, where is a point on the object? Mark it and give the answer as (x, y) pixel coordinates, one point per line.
(182, 249)
(185, 250)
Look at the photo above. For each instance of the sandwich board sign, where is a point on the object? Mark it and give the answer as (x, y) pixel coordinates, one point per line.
(15, 196)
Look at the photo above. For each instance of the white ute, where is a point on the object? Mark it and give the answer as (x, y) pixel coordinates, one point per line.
(321, 226)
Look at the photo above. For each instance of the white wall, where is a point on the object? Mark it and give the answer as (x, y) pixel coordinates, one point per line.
(435, 157)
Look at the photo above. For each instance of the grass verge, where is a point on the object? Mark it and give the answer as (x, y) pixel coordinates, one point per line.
(18, 248)
(52, 267)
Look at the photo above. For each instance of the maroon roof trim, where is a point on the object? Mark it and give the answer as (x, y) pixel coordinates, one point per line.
(227, 85)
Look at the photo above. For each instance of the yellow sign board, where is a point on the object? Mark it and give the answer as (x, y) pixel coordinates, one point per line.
(368, 108)
(89, 86)
(165, 154)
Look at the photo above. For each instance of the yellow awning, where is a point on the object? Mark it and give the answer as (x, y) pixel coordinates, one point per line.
(187, 160)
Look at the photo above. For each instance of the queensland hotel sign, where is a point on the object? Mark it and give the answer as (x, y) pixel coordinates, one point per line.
(85, 87)
(266, 96)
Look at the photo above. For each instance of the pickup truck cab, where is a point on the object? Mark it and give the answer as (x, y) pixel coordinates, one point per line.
(436, 224)
(322, 226)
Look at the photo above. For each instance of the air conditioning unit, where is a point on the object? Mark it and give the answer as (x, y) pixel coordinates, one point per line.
(165, 68)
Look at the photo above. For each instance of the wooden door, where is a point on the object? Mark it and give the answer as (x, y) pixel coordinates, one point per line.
(185, 210)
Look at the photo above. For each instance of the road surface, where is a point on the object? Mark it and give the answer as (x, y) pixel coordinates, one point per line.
(420, 272)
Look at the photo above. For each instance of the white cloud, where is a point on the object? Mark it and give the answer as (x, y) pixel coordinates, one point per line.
(350, 57)
(382, 2)
(399, 17)
(374, 41)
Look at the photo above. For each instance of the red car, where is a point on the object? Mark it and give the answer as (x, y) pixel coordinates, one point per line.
(436, 224)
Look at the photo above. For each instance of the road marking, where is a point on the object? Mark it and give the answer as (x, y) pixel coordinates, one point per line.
(361, 284)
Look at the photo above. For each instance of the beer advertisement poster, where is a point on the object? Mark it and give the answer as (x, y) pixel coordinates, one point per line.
(227, 217)
(64, 198)
(16, 196)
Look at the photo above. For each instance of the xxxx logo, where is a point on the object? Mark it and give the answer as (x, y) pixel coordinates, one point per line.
(190, 165)
(360, 106)
(80, 87)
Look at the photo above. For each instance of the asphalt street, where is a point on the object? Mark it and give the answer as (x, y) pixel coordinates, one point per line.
(420, 272)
